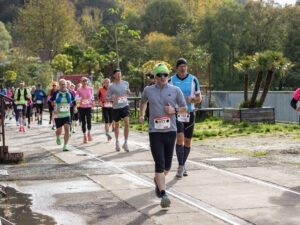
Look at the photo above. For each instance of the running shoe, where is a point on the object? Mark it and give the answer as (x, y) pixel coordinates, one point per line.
(165, 201)
(23, 129)
(53, 127)
(108, 137)
(118, 147)
(90, 137)
(20, 129)
(125, 147)
(65, 148)
(85, 139)
(58, 141)
(179, 173)
(185, 174)
(157, 191)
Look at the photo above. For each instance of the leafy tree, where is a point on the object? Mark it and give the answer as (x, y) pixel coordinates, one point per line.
(148, 67)
(90, 61)
(10, 76)
(5, 41)
(74, 54)
(47, 25)
(9, 9)
(62, 64)
(164, 16)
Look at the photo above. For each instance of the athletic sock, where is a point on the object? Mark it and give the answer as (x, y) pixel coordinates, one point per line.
(84, 134)
(186, 153)
(180, 154)
(163, 192)
(89, 132)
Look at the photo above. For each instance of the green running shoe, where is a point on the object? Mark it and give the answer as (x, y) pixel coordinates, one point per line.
(165, 201)
(65, 148)
(58, 141)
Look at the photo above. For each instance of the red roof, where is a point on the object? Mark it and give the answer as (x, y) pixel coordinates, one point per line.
(74, 77)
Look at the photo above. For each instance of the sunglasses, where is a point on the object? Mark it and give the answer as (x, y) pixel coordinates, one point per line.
(162, 75)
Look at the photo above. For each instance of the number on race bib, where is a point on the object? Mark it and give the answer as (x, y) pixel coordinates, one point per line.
(108, 104)
(64, 108)
(162, 123)
(85, 102)
(39, 101)
(122, 99)
(20, 107)
(183, 117)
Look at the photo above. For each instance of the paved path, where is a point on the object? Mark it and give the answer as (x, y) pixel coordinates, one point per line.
(93, 184)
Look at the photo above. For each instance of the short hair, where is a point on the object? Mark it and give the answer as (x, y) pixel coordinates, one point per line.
(106, 79)
(62, 80)
(116, 70)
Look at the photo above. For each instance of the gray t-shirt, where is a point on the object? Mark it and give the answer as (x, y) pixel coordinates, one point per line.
(159, 120)
(120, 90)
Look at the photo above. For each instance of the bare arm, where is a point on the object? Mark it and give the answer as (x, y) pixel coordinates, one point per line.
(143, 107)
(197, 98)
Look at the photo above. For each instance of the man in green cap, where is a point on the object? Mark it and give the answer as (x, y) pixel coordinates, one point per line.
(163, 102)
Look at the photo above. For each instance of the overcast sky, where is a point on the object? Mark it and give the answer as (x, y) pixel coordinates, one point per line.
(283, 2)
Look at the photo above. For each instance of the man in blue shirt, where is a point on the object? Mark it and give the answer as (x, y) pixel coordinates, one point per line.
(39, 95)
(189, 86)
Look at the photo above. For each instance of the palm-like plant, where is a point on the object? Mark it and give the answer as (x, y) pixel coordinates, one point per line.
(244, 65)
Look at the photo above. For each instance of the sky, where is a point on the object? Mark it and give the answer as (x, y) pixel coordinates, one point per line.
(283, 2)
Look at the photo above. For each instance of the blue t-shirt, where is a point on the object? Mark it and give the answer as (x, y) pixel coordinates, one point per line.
(3, 92)
(189, 86)
(39, 96)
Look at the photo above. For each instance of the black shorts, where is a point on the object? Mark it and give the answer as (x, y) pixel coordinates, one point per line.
(186, 128)
(39, 108)
(22, 110)
(162, 149)
(107, 115)
(72, 113)
(76, 116)
(59, 122)
(34, 105)
(118, 114)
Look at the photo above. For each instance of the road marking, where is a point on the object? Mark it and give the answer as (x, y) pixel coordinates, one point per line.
(246, 178)
(3, 172)
(222, 159)
(223, 215)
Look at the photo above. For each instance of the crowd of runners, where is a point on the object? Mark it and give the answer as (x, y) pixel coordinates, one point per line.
(168, 103)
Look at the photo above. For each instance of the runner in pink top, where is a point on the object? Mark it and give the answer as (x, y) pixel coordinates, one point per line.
(296, 97)
(86, 96)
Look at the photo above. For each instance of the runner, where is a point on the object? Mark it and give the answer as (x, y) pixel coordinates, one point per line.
(86, 96)
(29, 112)
(189, 86)
(163, 100)
(63, 99)
(106, 107)
(9, 106)
(39, 94)
(78, 101)
(33, 106)
(117, 92)
(22, 95)
(152, 82)
(75, 115)
(51, 104)
(72, 106)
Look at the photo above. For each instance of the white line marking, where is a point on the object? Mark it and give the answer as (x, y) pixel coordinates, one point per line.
(227, 217)
(246, 178)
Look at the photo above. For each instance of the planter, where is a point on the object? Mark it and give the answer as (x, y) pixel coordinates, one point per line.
(265, 114)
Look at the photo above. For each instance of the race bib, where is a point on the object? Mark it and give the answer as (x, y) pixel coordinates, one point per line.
(183, 117)
(7, 103)
(39, 101)
(64, 108)
(162, 123)
(85, 102)
(108, 104)
(19, 107)
(122, 99)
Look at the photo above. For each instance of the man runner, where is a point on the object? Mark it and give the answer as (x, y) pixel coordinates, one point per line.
(163, 100)
(106, 107)
(117, 92)
(63, 99)
(39, 95)
(51, 104)
(189, 86)
(22, 95)
(86, 96)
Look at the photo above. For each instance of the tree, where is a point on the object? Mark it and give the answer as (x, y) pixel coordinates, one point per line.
(148, 67)
(62, 64)
(47, 25)
(74, 54)
(5, 41)
(298, 2)
(10, 76)
(90, 61)
(164, 16)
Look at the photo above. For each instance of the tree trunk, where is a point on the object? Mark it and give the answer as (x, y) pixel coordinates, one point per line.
(267, 86)
(246, 83)
(256, 89)
(117, 48)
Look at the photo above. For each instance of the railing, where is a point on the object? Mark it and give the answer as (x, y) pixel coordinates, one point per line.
(3, 98)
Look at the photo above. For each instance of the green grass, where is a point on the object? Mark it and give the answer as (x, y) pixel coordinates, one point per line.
(215, 127)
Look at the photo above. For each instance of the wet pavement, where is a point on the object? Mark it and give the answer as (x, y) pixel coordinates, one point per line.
(94, 184)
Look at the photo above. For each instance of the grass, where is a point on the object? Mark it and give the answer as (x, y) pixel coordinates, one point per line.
(215, 127)
(245, 151)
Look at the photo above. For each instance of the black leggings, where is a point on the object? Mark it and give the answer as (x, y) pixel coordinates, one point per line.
(86, 117)
(50, 110)
(162, 148)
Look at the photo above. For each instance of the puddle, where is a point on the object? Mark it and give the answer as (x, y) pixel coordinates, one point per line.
(16, 207)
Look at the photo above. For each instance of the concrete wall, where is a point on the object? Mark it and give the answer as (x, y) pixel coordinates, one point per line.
(280, 100)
